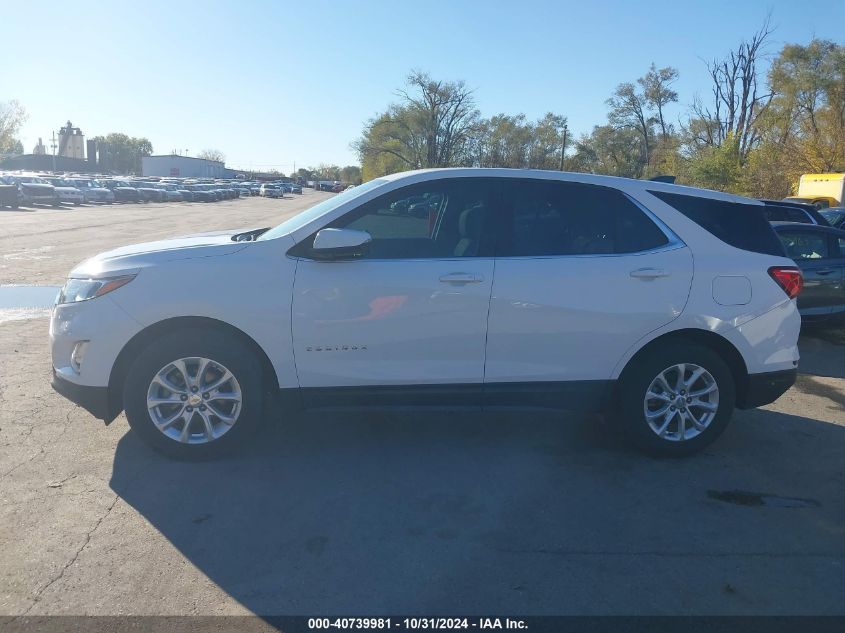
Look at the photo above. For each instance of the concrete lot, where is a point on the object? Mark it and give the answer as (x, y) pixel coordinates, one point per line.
(519, 513)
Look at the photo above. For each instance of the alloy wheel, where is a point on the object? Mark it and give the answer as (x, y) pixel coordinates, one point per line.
(194, 400)
(681, 402)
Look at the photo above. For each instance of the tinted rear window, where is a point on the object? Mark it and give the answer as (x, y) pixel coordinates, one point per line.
(740, 225)
(775, 213)
(549, 218)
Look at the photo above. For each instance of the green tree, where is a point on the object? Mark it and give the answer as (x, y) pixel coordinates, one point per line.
(547, 138)
(351, 174)
(502, 141)
(12, 117)
(324, 171)
(718, 168)
(808, 112)
(658, 94)
(121, 153)
(614, 151)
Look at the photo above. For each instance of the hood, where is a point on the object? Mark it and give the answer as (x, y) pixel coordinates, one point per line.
(137, 256)
(68, 190)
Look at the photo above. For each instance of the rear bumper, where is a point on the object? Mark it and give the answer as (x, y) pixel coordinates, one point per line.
(766, 388)
(95, 400)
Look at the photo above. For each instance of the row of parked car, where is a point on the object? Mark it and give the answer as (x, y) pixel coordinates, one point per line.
(814, 239)
(18, 189)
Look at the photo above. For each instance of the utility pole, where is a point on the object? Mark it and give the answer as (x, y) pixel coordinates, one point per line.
(53, 146)
(563, 146)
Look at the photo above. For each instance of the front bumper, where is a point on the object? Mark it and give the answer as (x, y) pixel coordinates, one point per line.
(767, 387)
(95, 400)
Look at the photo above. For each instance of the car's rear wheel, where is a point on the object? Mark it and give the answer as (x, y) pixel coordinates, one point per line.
(676, 400)
(194, 395)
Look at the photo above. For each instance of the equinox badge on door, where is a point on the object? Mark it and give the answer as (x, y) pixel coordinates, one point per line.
(336, 348)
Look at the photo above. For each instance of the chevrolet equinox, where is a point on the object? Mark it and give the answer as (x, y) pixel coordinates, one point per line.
(663, 305)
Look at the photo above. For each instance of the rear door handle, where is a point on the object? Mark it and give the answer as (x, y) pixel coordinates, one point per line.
(824, 271)
(461, 278)
(648, 273)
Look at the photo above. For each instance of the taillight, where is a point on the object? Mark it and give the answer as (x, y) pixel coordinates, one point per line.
(789, 278)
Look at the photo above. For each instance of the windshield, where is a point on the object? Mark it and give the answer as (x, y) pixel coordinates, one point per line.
(33, 179)
(330, 204)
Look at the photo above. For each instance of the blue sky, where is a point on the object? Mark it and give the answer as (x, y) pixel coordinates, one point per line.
(276, 83)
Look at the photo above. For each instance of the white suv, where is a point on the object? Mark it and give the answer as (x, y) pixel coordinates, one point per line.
(665, 306)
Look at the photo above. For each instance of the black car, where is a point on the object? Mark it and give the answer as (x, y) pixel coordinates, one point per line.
(819, 252)
(835, 216)
(123, 191)
(785, 211)
(9, 196)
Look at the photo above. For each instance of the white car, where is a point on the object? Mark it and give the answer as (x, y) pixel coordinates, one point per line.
(270, 191)
(67, 191)
(664, 305)
(92, 190)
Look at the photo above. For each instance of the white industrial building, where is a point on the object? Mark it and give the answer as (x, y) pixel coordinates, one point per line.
(173, 165)
(71, 142)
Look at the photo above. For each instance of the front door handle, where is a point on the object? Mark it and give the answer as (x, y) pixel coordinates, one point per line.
(461, 278)
(648, 273)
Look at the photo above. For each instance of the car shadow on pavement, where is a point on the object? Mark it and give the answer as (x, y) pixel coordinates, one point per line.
(525, 513)
(822, 352)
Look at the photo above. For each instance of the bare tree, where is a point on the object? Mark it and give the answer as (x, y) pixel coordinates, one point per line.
(448, 110)
(738, 100)
(212, 154)
(432, 126)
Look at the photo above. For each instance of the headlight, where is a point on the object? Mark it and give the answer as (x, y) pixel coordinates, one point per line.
(83, 289)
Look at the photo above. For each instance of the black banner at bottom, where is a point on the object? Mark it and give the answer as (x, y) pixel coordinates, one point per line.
(309, 624)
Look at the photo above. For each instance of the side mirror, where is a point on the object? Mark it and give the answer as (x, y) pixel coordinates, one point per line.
(340, 244)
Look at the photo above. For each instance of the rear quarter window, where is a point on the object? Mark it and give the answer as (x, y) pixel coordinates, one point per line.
(742, 226)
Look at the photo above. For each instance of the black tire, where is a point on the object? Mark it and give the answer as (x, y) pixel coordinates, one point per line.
(205, 343)
(636, 380)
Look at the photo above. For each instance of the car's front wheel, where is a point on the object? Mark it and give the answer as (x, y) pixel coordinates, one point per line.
(194, 394)
(676, 400)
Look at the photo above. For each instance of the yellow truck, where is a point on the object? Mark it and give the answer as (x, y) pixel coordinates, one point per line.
(821, 190)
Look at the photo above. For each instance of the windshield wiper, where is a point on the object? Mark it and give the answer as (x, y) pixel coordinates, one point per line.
(249, 236)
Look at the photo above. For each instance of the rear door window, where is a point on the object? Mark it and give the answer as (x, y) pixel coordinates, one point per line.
(742, 226)
(805, 245)
(548, 217)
